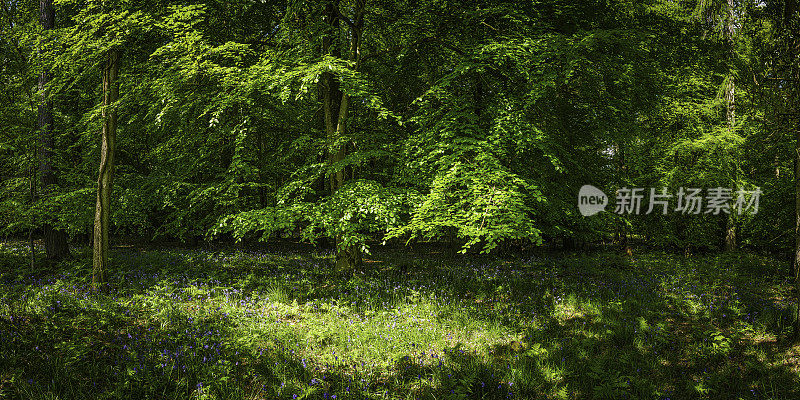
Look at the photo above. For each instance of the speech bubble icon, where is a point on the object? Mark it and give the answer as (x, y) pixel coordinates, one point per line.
(591, 200)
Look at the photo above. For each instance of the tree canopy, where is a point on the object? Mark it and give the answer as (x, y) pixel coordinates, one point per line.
(361, 122)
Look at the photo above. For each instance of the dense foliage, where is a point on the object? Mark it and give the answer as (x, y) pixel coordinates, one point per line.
(365, 121)
(370, 141)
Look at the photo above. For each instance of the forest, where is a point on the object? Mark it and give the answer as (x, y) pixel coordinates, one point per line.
(407, 199)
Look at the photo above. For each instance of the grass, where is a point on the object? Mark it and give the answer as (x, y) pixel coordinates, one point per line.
(247, 324)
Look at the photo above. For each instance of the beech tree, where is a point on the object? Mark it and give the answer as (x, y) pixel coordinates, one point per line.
(364, 122)
(104, 178)
(336, 105)
(96, 40)
(55, 240)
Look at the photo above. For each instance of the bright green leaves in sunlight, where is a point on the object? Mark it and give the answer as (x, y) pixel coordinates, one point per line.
(474, 124)
(481, 204)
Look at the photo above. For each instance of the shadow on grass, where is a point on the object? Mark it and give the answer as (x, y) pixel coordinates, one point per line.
(55, 356)
(615, 356)
(608, 331)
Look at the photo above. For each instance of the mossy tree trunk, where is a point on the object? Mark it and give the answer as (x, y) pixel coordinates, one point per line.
(104, 179)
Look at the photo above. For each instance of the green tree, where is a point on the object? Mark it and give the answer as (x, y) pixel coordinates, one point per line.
(55, 240)
(100, 32)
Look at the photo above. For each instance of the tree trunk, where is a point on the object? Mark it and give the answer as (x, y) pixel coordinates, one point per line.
(336, 106)
(622, 229)
(730, 234)
(730, 115)
(790, 24)
(104, 179)
(796, 260)
(55, 241)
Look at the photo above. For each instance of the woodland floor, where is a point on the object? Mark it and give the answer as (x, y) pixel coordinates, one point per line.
(189, 323)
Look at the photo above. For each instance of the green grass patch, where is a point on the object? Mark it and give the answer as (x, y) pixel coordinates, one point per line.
(233, 324)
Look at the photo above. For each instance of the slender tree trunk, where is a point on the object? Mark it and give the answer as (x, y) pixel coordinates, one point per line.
(796, 259)
(104, 179)
(730, 114)
(55, 241)
(790, 21)
(730, 234)
(347, 256)
(622, 232)
(336, 105)
(32, 199)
